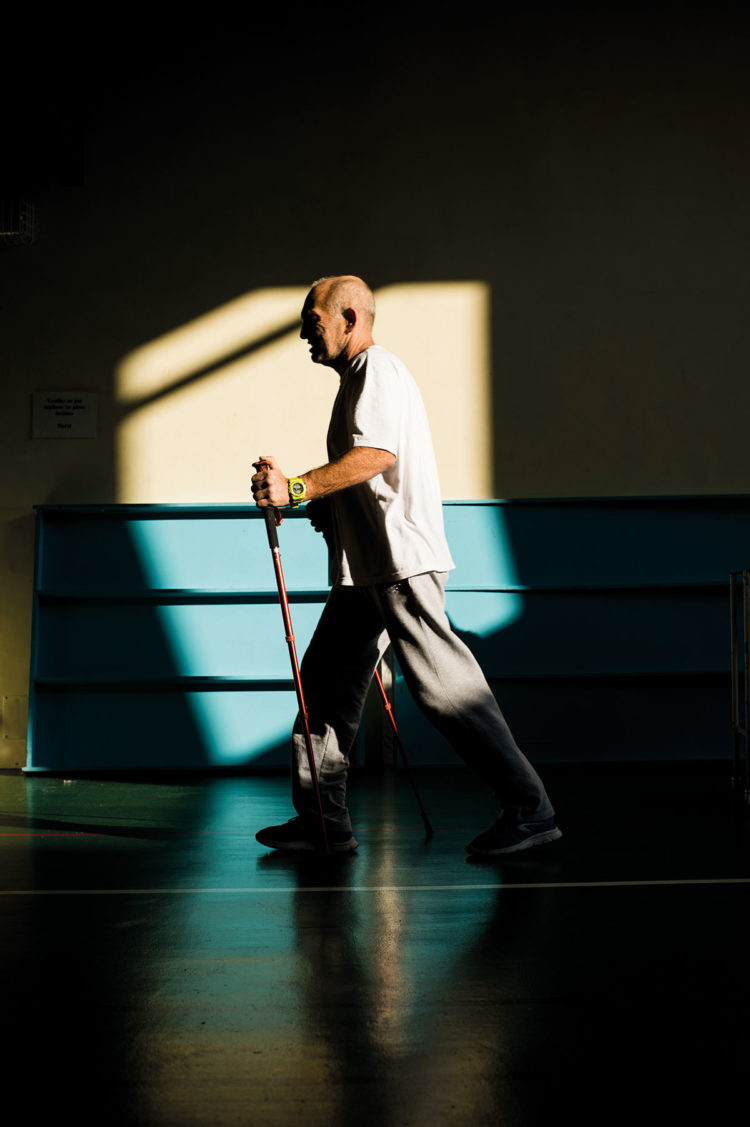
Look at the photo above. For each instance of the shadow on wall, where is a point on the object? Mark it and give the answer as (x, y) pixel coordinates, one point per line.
(616, 639)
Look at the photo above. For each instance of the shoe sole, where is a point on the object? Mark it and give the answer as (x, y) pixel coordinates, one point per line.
(527, 843)
(305, 846)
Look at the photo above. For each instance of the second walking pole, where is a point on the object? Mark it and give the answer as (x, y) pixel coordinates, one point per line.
(389, 710)
(273, 518)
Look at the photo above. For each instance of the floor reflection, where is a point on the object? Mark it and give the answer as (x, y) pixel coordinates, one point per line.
(160, 968)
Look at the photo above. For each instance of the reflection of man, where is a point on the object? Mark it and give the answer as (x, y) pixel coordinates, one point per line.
(378, 501)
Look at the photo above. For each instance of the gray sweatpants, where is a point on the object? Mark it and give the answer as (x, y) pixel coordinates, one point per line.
(442, 675)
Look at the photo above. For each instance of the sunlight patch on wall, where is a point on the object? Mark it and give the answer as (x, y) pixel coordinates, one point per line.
(200, 403)
(442, 332)
(222, 640)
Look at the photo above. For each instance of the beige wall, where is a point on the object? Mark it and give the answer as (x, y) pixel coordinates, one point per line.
(182, 440)
(554, 217)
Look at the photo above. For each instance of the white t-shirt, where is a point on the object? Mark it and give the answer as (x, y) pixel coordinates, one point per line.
(390, 527)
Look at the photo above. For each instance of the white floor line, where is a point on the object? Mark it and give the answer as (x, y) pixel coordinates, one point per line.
(264, 889)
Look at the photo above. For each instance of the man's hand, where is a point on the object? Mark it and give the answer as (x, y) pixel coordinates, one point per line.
(269, 485)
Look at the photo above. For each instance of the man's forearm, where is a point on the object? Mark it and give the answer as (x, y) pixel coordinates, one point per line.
(358, 464)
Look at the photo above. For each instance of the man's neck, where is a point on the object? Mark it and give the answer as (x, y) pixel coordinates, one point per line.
(343, 361)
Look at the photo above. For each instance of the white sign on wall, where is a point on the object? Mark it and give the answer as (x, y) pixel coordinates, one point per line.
(64, 414)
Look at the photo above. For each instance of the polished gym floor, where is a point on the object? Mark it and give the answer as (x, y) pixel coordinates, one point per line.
(159, 967)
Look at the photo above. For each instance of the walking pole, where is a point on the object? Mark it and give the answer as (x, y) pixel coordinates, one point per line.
(389, 709)
(273, 518)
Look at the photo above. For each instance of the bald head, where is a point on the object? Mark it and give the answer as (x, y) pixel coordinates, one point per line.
(337, 319)
(345, 291)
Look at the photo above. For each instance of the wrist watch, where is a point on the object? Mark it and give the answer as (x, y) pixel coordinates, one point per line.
(297, 491)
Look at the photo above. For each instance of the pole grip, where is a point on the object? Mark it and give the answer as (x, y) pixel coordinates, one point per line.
(273, 537)
(273, 516)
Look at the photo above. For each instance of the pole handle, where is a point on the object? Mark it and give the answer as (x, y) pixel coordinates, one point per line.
(273, 516)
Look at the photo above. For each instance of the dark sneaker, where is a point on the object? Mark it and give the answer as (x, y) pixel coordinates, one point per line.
(300, 835)
(507, 836)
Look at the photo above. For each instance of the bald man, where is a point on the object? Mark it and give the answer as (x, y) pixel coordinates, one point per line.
(378, 502)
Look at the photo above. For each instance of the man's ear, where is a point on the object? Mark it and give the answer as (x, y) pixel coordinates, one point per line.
(350, 316)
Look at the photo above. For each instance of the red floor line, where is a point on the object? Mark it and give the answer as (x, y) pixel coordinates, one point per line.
(51, 833)
(287, 890)
(133, 832)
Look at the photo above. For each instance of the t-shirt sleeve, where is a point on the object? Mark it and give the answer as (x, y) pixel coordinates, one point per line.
(376, 414)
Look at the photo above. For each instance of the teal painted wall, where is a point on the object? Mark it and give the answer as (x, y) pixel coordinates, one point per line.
(602, 626)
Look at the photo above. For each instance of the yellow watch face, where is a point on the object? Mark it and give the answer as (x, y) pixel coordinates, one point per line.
(297, 490)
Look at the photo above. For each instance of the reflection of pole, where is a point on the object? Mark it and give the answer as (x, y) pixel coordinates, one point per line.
(272, 519)
(735, 682)
(739, 621)
(746, 628)
(389, 709)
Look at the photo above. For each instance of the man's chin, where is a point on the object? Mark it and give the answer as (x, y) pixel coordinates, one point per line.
(320, 357)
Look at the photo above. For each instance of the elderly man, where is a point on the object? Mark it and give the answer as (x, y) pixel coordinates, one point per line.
(378, 502)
